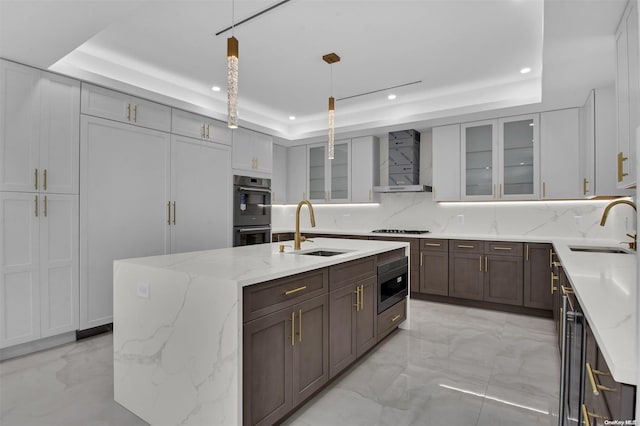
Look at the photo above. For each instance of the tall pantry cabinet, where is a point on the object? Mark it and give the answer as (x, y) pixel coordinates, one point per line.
(39, 130)
(145, 191)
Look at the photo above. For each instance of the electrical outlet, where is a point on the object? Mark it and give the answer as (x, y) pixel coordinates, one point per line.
(578, 220)
(144, 290)
(460, 219)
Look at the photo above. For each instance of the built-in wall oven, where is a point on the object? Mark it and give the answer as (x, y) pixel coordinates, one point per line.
(572, 371)
(393, 283)
(251, 210)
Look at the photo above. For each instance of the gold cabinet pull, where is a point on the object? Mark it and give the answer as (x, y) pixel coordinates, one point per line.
(503, 248)
(595, 387)
(174, 212)
(585, 190)
(432, 244)
(421, 256)
(553, 278)
(35, 173)
(295, 290)
(129, 112)
(293, 328)
(36, 206)
(586, 414)
(168, 212)
(621, 160)
(135, 113)
(500, 191)
(396, 318)
(480, 263)
(46, 206)
(544, 189)
(486, 263)
(300, 325)
(566, 290)
(357, 292)
(526, 252)
(493, 191)
(207, 131)
(362, 297)
(465, 246)
(202, 132)
(45, 180)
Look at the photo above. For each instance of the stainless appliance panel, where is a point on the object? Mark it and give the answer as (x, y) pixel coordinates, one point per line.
(249, 235)
(393, 283)
(251, 201)
(572, 374)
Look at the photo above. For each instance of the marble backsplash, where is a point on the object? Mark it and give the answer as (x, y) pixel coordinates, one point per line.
(573, 219)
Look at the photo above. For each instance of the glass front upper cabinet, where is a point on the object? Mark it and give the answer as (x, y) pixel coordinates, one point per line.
(329, 180)
(501, 159)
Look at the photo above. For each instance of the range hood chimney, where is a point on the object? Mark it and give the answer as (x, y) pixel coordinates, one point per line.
(404, 163)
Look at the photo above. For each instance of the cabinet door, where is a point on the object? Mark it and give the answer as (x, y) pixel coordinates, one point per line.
(339, 189)
(365, 171)
(19, 254)
(624, 163)
(105, 103)
(560, 138)
(187, 124)
(200, 195)
(317, 173)
(466, 276)
(367, 316)
(19, 127)
(296, 173)
(59, 260)
(446, 163)
(587, 146)
(262, 146)
(633, 61)
(311, 350)
(503, 279)
(267, 352)
(123, 214)
(343, 328)
(519, 157)
(479, 160)
(252, 152)
(60, 134)
(537, 276)
(434, 272)
(279, 176)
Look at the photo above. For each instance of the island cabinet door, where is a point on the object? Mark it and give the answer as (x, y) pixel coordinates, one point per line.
(367, 316)
(343, 328)
(537, 276)
(267, 373)
(311, 347)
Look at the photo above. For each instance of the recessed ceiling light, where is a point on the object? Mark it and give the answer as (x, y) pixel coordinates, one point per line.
(525, 70)
(216, 88)
(531, 124)
(292, 117)
(391, 97)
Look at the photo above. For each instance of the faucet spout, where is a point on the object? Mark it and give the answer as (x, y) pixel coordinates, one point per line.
(605, 214)
(297, 238)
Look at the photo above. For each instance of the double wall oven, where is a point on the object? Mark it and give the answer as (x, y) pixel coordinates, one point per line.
(251, 210)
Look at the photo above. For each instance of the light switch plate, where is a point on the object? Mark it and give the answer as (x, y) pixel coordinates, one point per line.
(460, 219)
(144, 289)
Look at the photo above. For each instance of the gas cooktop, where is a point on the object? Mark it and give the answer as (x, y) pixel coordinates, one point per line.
(399, 231)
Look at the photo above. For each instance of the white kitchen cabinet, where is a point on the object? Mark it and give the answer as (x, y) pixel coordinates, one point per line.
(39, 270)
(199, 127)
(112, 105)
(252, 153)
(296, 173)
(124, 193)
(501, 159)
(329, 180)
(279, 176)
(201, 191)
(627, 95)
(587, 145)
(560, 152)
(39, 130)
(446, 163)
(365, 169)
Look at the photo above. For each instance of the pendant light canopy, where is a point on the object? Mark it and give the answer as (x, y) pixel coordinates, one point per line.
(232, 75)
(331, 58)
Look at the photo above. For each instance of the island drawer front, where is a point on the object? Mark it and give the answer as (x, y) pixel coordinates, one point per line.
(271, 296)
(466, 246)
(503, 248)
(389, 255)
(350, 272)
(391, 318)
(434, 245)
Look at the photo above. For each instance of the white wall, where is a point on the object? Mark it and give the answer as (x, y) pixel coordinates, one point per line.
(579, 219)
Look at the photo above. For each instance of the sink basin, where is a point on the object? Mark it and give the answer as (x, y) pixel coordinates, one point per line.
(324, 252)
(600, 249)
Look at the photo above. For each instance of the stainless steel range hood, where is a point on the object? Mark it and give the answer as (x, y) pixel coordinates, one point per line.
(402, 188)
(404, 163)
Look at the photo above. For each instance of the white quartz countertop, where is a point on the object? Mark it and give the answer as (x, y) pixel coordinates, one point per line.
(605, 285)
(263, 262)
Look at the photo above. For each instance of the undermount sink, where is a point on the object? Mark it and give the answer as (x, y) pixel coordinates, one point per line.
(321, 252)
(600, 249)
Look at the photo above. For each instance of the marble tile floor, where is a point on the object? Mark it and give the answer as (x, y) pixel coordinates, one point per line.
(455, 366)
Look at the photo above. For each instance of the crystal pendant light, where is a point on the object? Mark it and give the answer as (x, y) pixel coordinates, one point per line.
(331, 58)
(232, 75)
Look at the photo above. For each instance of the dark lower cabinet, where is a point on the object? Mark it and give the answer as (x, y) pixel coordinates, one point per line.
(466, 279)
(503, 279)
(286, 359)
(538, 280)
(434, 267)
